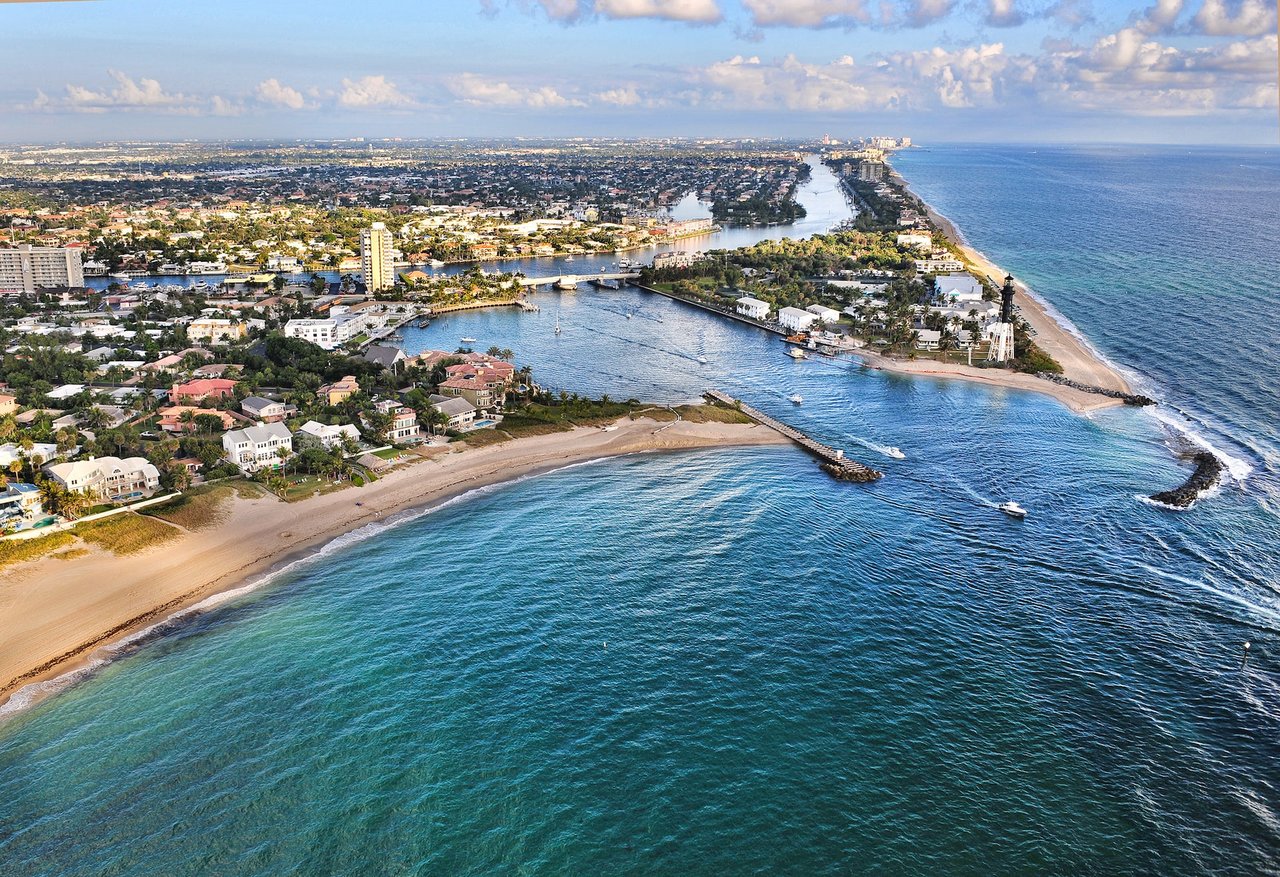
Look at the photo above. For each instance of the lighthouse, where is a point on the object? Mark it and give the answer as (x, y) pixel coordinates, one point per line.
(1002, 332)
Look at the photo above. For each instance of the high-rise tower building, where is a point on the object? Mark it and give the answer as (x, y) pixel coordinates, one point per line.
(27, 268)
(377, 267)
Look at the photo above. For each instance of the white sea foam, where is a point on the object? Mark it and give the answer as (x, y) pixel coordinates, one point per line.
(29, 695)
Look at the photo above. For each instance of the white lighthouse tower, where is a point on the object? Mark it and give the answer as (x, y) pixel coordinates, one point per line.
(1002, 332)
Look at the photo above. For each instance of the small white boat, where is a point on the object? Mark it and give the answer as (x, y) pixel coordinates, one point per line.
(467, 340)
(796, 398)
(796, 353)
(896, 453)
(1013, 510)
(702, 359)
(628, 316)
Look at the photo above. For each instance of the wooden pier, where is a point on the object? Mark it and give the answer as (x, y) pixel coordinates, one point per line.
(832, 460)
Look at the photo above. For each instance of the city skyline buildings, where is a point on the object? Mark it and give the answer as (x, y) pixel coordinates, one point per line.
(1186, 71)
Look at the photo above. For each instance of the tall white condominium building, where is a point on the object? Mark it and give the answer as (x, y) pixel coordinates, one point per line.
(376, 265)
(27, 268)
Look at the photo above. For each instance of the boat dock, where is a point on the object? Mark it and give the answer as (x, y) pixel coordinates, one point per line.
(832, 460)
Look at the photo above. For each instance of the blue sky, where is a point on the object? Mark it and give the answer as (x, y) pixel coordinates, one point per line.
(1190, 71)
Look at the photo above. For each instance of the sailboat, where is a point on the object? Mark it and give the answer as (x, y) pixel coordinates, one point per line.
(557, 324)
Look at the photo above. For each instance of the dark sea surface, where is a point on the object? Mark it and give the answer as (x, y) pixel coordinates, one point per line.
(723, 661)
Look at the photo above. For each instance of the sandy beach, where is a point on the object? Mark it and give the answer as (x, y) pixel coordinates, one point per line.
(55, 614)
(1078, 362)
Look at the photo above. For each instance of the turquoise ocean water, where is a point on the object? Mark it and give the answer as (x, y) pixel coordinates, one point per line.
(724, 662)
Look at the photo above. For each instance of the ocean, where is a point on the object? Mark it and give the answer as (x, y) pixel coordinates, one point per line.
(725, 662)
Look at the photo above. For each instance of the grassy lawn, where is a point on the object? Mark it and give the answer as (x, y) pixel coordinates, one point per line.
(204, 506)
(17, 550)
(127, 533)
(388, 453)
(304, 486)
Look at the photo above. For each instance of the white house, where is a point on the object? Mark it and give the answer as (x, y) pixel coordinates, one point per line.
(824, 313)
(915, 239)
(958, 287)
(795, 319)
(928, 339)
(753, 308)
(266, 410)
(460, 412)
(10, 452)
(108, 478)
(326, 435)
(257, 447)
(938, 265)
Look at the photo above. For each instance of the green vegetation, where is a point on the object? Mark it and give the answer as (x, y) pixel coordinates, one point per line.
(203, 507)
(19, 550)
(127, 533)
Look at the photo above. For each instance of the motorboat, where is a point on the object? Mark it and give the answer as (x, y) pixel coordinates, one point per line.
(702, 359)
(468, 340)
(796, 398)
(796, 353)
(1013, 510)
(896, 453)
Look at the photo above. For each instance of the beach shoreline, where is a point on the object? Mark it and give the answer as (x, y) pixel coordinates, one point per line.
(1079, 361)
(60, 618)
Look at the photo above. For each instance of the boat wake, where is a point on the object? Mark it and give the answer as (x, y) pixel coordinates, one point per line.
(886, 450)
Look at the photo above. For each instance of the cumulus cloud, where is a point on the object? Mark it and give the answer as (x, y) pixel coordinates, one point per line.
(126, 95)
(692, 11)
(1004, 13)
(274, 93)
(372, 92)
(698, 11)
(847, 13)
(477, 90)
(1241, 18)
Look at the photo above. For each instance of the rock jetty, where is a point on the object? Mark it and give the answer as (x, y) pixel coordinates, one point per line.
(1128, 398)
(1208, 472)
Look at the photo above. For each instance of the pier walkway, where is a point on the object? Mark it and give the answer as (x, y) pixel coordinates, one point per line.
(832, 460)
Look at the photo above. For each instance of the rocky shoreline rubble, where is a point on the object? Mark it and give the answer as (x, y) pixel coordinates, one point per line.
(1128, 398)
(1208, 472)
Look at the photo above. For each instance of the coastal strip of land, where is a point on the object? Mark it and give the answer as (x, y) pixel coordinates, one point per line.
(1079, 363)
(56, 613)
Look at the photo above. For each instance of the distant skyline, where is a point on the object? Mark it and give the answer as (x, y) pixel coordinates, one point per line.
(1170, 71)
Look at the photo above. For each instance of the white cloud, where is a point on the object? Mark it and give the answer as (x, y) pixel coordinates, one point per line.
(1241, 18)
(693, 11)
(697, 11)
(847, 13)
(477, 90)
(618, 97)
(1005, 13)
(370, 92)
(274, 93)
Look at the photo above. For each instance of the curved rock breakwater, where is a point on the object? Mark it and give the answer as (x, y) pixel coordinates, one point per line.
(1128, 398)
(1208, 472)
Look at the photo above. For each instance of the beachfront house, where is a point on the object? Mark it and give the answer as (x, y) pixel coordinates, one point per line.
(928, 339)
(257, 447)
(916, 239)
(20, 506)
(824, 314)
(108, 479)
(326, 435)
(753, 308)
(796, 320)
(404, 422)
(460, 412)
